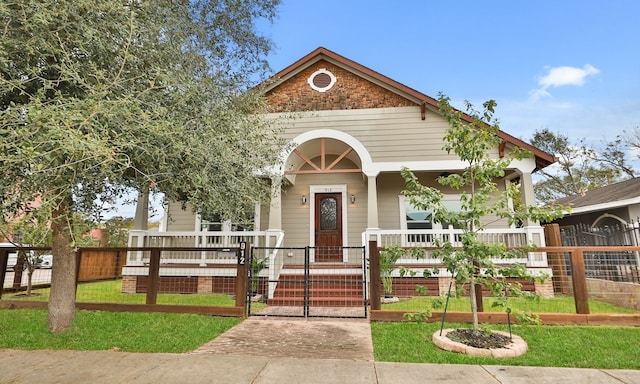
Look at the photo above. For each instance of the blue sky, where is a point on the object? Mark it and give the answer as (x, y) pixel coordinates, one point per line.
(570, 66)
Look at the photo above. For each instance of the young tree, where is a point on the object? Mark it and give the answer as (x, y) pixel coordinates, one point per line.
(481, 200)
(101, 98)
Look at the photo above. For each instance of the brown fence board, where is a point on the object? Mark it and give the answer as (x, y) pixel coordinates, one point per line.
(501, 318)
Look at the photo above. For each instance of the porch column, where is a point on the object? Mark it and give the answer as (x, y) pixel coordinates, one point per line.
(372, 202)
(275, 208)
(141, 219)
(528, 197)
(535, 233)
(140, 225)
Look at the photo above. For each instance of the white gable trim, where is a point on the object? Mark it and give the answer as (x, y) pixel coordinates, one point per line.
(358, 147)
(603, 206)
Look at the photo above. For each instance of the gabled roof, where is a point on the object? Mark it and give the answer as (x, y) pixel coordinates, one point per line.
(542, 158)
(616, 195)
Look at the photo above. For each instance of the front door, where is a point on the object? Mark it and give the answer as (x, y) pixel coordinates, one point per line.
(328, 227)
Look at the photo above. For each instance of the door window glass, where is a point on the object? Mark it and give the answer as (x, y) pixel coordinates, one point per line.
(328, 214)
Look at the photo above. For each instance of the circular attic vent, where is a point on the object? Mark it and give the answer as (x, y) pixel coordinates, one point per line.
(321, 80)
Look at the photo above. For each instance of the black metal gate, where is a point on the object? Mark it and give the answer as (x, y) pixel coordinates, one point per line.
(289, 282)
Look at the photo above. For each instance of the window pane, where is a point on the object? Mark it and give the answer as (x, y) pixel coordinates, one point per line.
(328, 214)
(417, 219)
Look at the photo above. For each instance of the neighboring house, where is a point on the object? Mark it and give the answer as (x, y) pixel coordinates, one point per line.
(606, 216)
(610, 205)
(354, 130)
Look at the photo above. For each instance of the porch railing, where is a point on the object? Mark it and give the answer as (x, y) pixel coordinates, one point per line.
(426, 238)
(225, 241)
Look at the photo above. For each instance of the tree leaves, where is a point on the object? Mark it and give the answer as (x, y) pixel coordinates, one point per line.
(473, 138)
(99, 98)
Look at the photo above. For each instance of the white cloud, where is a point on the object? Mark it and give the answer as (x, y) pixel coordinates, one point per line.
(562, 76)
(538, 94)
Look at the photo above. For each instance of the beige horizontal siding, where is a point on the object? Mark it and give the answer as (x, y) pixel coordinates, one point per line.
(389, 134)
(180, 219)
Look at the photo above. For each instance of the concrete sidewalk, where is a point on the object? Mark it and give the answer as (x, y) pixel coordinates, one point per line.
(18, 366)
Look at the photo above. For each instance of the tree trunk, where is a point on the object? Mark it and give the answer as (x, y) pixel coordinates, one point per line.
(29, 282)
(474, 306)
(62, 301)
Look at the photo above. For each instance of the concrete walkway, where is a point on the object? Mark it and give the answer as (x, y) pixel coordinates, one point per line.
(18, 367)
(298, 338)
(255, 351)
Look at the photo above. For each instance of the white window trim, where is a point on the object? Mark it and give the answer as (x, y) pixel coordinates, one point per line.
(226, 225)
(316, 73)
(403, 211)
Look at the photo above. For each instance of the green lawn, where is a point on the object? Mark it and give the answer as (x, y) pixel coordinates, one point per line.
(110, 291)
(554, 346)
(559, 304)
(96, 330)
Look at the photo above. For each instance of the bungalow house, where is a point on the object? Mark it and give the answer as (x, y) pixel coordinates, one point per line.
(340, 185)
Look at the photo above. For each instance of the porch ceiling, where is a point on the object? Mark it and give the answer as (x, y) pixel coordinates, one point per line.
(322, 155)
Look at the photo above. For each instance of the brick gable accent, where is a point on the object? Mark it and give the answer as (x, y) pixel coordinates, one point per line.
(349, 92)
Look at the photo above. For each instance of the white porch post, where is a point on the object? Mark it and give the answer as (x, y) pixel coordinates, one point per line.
(528, 196)
(140, 226)
(372, 201)
(534, 231)
(274, 231)
(141, 219)
(275, 207)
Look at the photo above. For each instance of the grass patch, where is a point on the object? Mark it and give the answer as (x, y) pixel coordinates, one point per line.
(110, 291)
(558, 304)
(95, 330)
(551, 346)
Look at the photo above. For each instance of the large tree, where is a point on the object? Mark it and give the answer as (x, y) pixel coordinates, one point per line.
(101, 98)
(579, 168)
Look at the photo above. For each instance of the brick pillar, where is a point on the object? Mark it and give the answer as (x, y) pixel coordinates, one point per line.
(129, 284)
(545, 290)
(205, 284)
(443, 284)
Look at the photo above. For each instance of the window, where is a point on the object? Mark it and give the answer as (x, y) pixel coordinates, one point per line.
(213, 223)
(321, 80)
(415, 218)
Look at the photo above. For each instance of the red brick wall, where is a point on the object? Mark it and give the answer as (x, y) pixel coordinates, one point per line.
(349, 92)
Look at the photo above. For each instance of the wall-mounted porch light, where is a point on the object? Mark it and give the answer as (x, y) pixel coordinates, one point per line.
(353, 199)
(304, 199)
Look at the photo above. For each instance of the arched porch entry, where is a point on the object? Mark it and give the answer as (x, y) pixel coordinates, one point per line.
(326, 167)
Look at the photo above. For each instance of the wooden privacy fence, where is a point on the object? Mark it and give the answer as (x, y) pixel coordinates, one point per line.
(570, 276)
(99, 264)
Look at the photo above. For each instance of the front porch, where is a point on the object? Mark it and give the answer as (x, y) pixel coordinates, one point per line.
(218, 259)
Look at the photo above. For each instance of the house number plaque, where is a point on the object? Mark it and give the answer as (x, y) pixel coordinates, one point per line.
(241, 254)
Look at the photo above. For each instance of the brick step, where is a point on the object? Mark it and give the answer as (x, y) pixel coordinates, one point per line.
(331, 266)
(318, 302)
(321, 285)
(323, 277)
(319, 292)
(329, 286)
